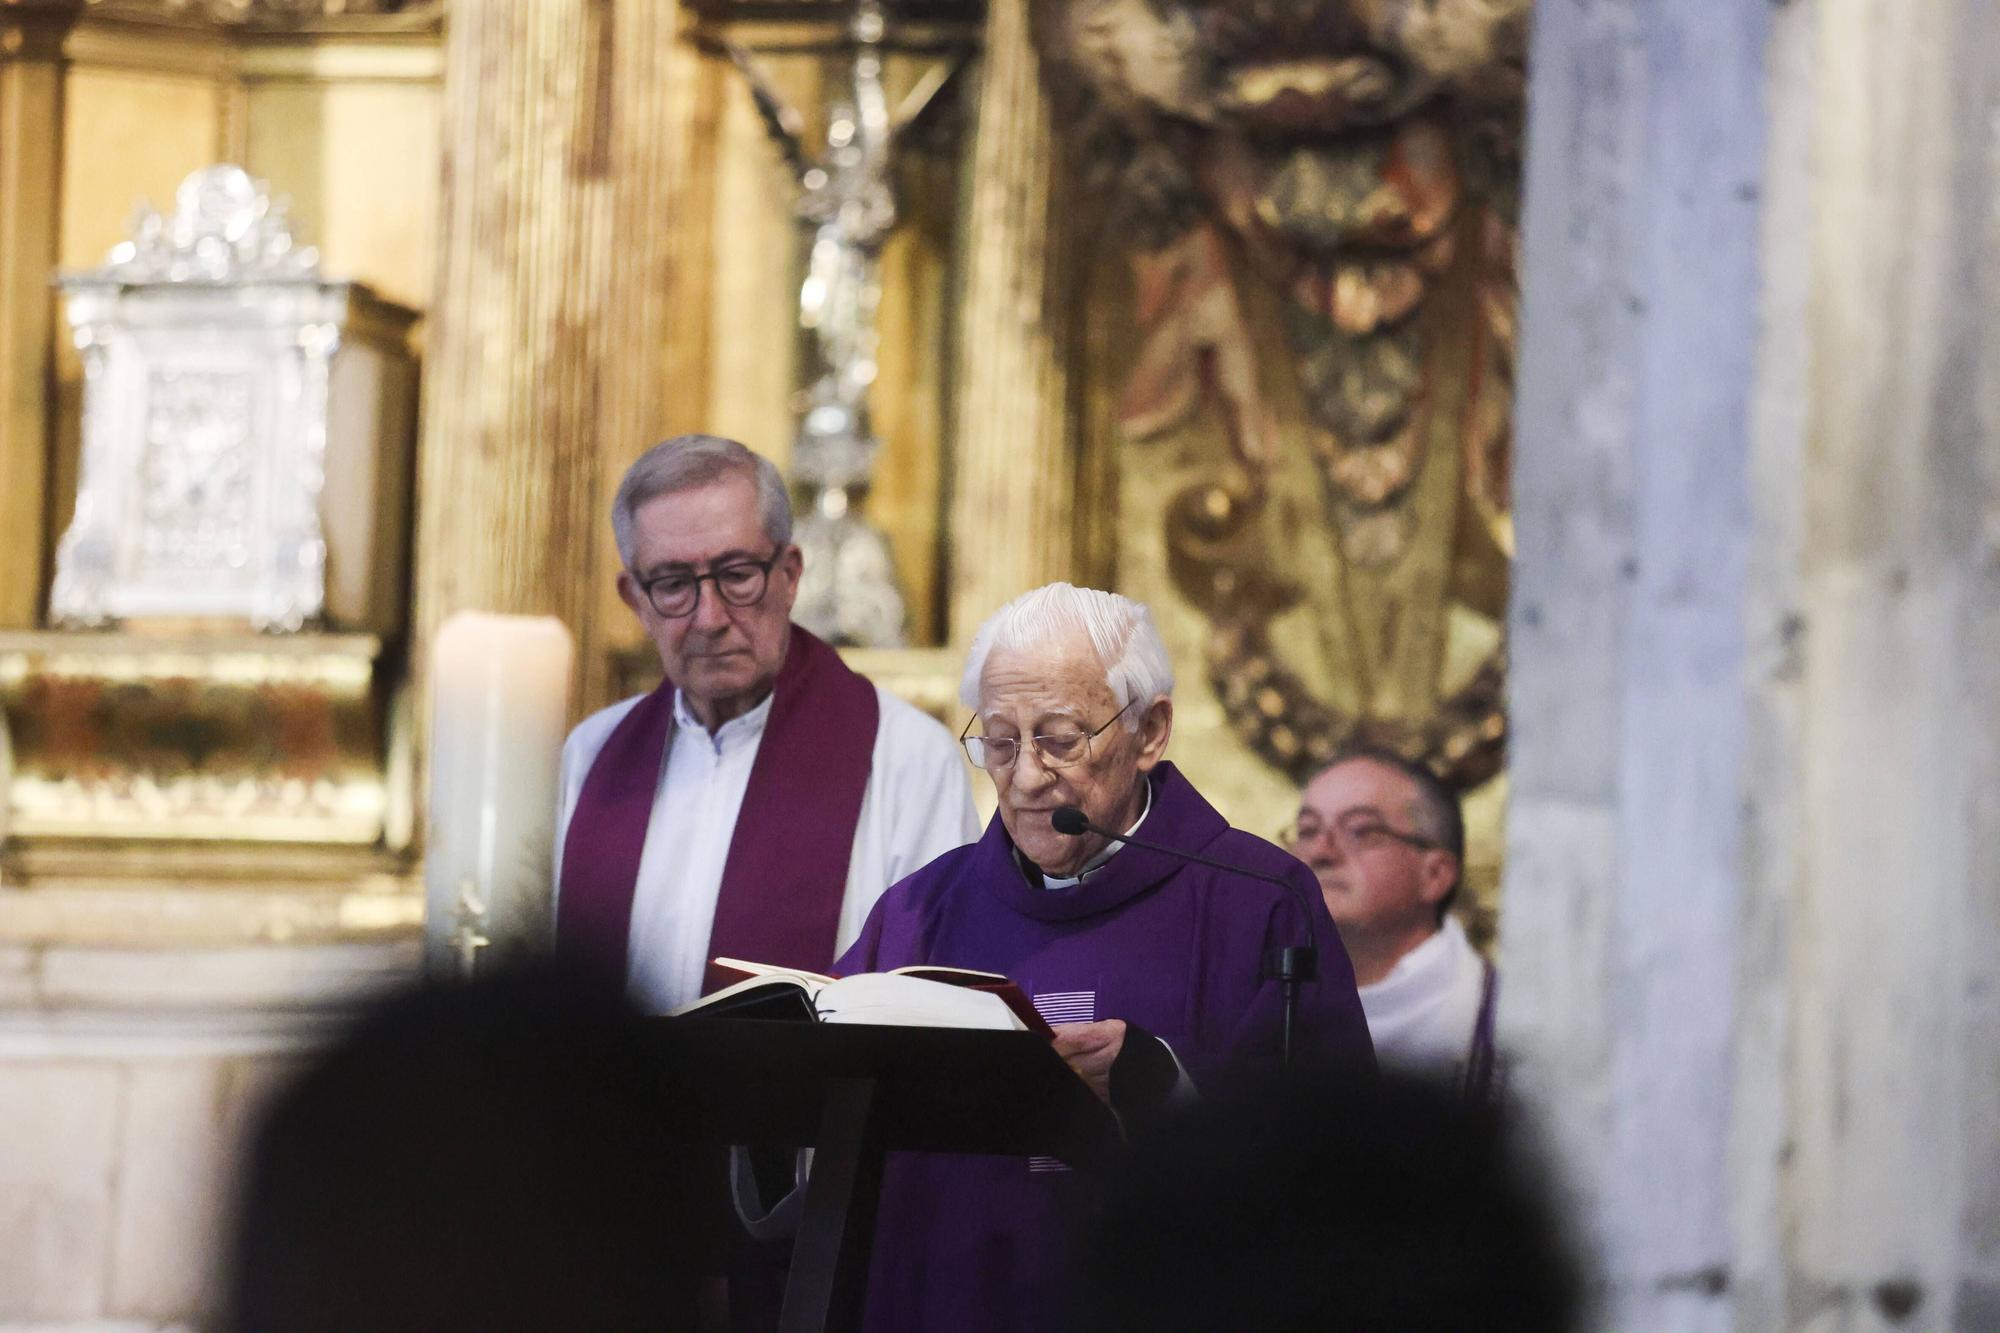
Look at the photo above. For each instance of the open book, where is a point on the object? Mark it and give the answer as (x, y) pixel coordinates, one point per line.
(939, 997)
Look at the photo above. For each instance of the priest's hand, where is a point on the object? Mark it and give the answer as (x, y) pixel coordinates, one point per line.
(1090, 1049)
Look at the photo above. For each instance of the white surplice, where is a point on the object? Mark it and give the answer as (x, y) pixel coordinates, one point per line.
(916, 807)
(1422, 1014)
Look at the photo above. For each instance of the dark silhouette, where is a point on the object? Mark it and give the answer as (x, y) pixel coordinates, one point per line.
(498, 1156)
(1329, 1207)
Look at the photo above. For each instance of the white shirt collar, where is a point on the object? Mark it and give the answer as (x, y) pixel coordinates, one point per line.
(1423, 1013)
(1106, 852)
(741, 730)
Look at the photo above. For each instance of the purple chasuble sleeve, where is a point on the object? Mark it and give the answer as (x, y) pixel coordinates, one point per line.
(981, 1243)
(786, 872)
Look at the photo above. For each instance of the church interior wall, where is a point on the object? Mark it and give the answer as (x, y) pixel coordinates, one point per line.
(128, 1077)
(350, 134)
(353, 131)
(146, 1003)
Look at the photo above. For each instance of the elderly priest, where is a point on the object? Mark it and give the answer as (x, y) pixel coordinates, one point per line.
(757, 803)
(1150, 966)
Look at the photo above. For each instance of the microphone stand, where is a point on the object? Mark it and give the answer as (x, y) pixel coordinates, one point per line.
(1290, 966)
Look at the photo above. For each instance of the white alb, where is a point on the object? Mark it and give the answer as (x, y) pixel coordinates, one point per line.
(916, 807)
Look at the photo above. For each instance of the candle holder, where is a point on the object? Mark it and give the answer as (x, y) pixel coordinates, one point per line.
(470, 936)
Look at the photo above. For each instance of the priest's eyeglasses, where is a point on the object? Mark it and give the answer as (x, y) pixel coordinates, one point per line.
(1358, 831)
(1061, 750)
(739, 583)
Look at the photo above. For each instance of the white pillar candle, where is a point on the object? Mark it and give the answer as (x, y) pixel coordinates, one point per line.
(500, 707)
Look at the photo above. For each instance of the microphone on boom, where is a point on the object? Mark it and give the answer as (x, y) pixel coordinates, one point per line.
(1288, 966)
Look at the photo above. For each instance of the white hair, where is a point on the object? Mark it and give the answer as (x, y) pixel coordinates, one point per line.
(1119, 630)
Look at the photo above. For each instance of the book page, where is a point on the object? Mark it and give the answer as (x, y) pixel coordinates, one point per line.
(951, 976)
(901, 1001)
(812, 981)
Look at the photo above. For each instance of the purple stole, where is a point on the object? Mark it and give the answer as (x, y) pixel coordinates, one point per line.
(1482, 1064)
(786, 874)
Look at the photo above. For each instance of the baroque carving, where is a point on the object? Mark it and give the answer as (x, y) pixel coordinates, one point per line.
(1353, 163)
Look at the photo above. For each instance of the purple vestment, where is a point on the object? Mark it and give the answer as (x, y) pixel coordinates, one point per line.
(970, 1243)
(786, 872)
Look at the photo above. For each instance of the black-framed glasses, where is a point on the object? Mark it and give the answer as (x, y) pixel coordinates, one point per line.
(1061, 750)
(739, 583)
(1353, 834)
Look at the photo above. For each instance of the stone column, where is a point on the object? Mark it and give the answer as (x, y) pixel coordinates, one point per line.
(545, 337)
(1751, 921)
(1013, 515)
(31, 135)
(1874, 798)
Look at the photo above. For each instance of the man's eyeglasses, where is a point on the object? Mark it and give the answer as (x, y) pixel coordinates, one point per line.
(1353, 834)
(739, 583)
(1060, 750)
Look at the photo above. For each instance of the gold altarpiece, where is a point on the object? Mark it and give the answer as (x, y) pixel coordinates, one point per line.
(196, 784)
(609, 257)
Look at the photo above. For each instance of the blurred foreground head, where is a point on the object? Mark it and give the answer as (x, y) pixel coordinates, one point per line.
(495, 1156)
(1316, 1206)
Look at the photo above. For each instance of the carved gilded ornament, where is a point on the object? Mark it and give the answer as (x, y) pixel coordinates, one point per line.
(1351, 164)
(162, 739)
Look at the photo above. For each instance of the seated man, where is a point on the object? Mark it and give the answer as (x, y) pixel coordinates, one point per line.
(1150, 965)
(1386, 840)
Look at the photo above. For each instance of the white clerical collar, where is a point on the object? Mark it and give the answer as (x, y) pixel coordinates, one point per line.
(741, 730)
(1423, 1014)
(1104, 853)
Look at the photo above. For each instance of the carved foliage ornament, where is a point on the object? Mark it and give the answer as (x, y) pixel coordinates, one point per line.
(1357, 161)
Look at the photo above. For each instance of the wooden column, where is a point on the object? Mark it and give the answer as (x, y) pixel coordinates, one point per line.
(656, 327)
(31, 135)
(552, 302)
(1015, 466)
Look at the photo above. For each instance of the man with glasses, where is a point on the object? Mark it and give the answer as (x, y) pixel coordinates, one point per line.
(758, 802)
(1386, 840)
(1150, 967)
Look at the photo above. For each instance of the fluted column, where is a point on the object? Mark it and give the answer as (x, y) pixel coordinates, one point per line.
(551, 301)
(655, 320)
(1014, 493)
(31, 100)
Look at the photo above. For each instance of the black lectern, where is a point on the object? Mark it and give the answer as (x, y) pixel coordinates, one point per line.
(854, 1093)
